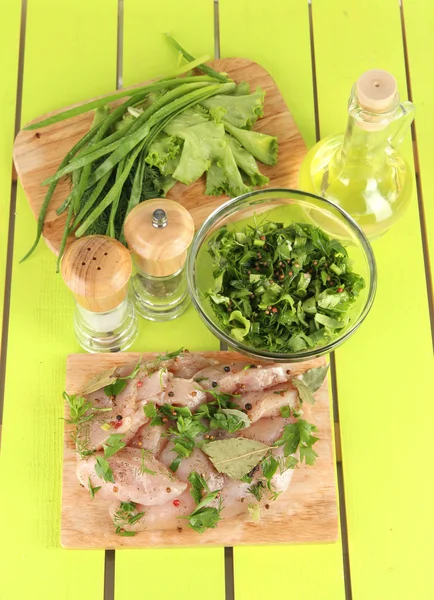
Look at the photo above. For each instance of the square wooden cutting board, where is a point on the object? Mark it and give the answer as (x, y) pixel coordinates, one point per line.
(305, 513)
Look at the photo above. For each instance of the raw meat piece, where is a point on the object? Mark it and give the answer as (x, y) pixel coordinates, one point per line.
(130, 484)
(165, 516)
(198, 462)
(252, 380)
(268, 403)
(183, 392)
(150, 438)
(127, 407)
(187, 364)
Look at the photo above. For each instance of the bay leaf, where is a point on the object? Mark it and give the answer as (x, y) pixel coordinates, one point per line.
(106, 377)
(235, 456)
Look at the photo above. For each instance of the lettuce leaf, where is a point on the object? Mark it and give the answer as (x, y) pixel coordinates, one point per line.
(163, 153)
(203, 143)
(263, 147)
(242, 110)
(223, 177)
(247, 163)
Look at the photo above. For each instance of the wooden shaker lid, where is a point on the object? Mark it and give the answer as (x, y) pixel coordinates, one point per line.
(376, 91)
(97, 269)
(158, 233)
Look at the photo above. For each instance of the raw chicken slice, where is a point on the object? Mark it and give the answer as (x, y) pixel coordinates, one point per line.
(183, 392)
(266, 431)
(210, 377)
(197, 461)
(155, 486)
(146, 387)
(254, 379)
(187, 364)
(150, 438)
(127, 414)
(268, 403)
(166, 516)
(125, 417)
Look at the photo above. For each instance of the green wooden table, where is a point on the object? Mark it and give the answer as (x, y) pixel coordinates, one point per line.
(56, 53)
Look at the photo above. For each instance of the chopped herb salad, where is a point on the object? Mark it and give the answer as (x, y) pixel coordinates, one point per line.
(281, 288)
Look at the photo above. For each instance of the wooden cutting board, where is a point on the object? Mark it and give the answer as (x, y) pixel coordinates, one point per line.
(38, 153)
(306, 512)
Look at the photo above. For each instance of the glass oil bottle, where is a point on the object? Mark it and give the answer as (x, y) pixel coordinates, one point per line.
(363, 171)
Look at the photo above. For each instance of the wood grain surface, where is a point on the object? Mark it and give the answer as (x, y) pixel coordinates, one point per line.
(38, 153)
(306, 512)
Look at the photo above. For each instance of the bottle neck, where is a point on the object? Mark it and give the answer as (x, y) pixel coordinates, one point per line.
(364, 146)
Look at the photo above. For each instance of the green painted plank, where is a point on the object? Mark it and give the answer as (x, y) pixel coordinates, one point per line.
(9, 47)
(147, 54)
(387, 364)
(419, 27)
(268, 33)
(70, 55)
(275, 34)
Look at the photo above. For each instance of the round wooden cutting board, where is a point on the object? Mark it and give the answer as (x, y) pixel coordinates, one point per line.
(38, 153)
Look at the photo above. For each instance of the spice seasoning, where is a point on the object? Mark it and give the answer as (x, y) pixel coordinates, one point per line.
(97, 269)
(159, 233)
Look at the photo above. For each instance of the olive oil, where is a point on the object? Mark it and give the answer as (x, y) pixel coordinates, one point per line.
(362, 171)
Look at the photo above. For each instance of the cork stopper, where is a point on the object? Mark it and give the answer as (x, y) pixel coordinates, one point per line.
(158, 233)
(376, 91)
(97, 269)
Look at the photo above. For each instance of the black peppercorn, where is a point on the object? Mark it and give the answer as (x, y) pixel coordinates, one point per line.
(119, 417)
(248, 406)
(170, 394)
(214, 384)
(227, 369)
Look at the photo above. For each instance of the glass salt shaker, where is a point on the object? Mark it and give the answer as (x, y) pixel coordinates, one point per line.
(158, 233)
(97, 270)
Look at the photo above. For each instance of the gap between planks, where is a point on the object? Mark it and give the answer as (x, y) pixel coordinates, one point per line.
(12, 209)
(334, 390)
(420, 200)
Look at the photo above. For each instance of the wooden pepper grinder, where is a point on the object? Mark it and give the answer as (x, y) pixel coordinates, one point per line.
(97, 270)
(158, 233)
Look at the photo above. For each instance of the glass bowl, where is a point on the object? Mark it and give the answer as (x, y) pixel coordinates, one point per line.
(282, 205)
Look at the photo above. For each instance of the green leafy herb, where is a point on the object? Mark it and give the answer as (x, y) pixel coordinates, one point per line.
(152, 413)
(258, 489)
(283, 288)
(92, 490)
(285, 412)
(103, 470)
(126, 516)
(114, 444)
(203, 517)
(230, 420)
(299, 436)
(81, 410)
(183, 438)
(235, 456)
(309, 382)
(116, 388)
(255, 511)
(198, 486)
(145, 454)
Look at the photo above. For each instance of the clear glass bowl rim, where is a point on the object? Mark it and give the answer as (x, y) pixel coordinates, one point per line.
(223, 211)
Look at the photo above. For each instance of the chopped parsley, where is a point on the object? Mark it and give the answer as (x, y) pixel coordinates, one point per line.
(281, 288)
